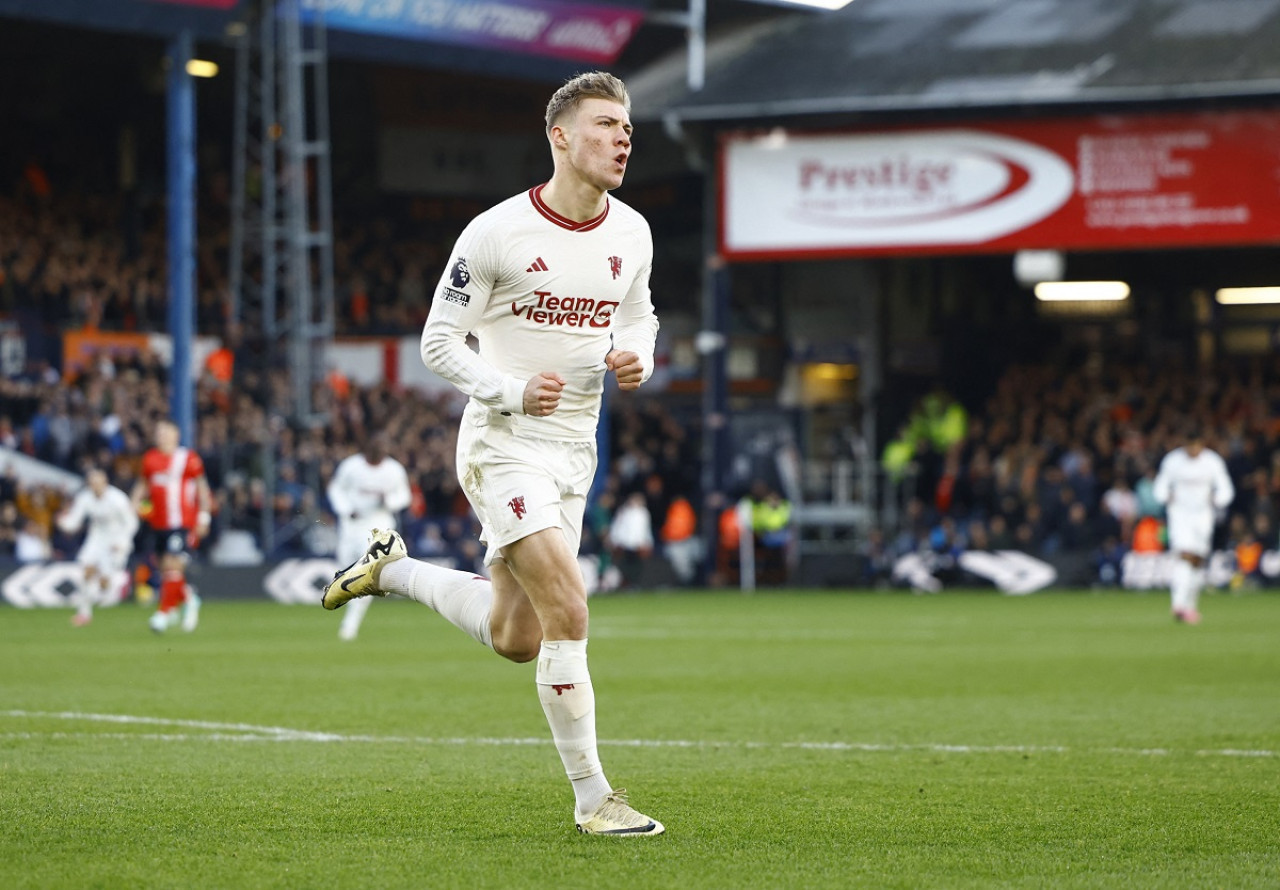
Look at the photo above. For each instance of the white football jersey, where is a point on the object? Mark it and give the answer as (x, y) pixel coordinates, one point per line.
(1191, 485)
(111, 517)
(542, 293)
(368, 495)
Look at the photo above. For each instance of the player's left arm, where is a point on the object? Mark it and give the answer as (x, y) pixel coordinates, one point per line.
(1224, 491)
(400, 495)
(204, 505)
(635, 334)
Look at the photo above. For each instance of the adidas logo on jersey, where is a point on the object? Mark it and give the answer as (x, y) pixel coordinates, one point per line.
(539, 265)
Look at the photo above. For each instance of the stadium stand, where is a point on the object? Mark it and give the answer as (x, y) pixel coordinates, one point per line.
(1059, 464)
(1041, 465)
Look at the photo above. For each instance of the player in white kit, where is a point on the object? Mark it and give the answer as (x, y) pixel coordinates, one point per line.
(107, 545)
(1193, 484)
(554, 283)
(366, 492)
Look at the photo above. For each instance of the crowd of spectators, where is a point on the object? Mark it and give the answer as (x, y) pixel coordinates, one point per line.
(75, 261)
(80, 261)
(1057, 462)
(1060, 461)
(104, 416)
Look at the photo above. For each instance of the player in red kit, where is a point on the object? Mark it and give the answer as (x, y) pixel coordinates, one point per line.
(174, 481)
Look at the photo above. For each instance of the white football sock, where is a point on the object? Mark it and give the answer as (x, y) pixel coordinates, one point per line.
(92, 592)
(1194, 585)
(568, 700)
(1182, 585)
(464, 599)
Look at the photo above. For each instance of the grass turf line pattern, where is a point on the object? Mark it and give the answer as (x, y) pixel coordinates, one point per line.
(245, 732)
(1104, 747)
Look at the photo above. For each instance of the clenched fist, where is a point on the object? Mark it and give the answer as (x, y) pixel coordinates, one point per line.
(542, 394)
(626, 367)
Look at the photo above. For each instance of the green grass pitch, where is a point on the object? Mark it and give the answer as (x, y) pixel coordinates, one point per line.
(797, 739)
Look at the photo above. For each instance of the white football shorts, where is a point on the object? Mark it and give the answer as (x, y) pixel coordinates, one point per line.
(1190, 531)
(108, 557)
(521, 485)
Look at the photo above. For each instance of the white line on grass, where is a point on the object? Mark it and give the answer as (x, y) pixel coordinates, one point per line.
(247, 732)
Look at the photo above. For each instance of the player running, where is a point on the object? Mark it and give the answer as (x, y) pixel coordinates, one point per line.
(554, 283)
(1193, 484)
(179, 515)
(366, 492)
(108, 543)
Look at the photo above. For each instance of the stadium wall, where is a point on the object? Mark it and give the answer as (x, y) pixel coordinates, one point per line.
(300, 581)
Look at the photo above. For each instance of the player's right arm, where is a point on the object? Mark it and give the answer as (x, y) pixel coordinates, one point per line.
(337, 491)
(72, 520)
(127, 515)
(400, 496)
(138, 495)
(457, 308)
(1162, 487)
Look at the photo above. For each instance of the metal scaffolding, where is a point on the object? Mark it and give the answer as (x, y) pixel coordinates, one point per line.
(281, 251)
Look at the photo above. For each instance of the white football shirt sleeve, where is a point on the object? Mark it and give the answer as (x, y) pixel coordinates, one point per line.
(125, 514)
(1162, 487)
(636, 324)
(1224, 492)
(337, 492)
(73, 520)
(457, 308)
(400, 495)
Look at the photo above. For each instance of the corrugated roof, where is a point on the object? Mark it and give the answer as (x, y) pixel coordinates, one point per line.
(902, 55)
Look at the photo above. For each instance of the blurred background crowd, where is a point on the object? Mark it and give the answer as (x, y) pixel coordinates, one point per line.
(1053, 461)
(988, 426)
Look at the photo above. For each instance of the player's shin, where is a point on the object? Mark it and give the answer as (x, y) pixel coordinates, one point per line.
(569, 702)
(83, 600)
(1194, 585)
(173, 591)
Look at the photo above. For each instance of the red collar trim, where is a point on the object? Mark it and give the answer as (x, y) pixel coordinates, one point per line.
(535, 195)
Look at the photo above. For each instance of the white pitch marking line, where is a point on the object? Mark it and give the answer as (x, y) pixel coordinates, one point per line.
(247, 732)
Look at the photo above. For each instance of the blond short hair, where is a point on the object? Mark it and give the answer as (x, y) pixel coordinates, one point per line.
(592, 85)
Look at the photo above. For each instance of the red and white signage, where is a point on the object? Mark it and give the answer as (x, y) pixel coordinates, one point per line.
(1088, 183)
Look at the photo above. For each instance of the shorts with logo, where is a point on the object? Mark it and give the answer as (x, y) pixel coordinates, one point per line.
(519, 485)
(172, 541)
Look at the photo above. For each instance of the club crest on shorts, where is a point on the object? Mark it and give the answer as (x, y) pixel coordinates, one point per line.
(615, 265)
(517, 506)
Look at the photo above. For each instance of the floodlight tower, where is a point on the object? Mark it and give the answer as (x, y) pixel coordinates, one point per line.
(281, 251)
